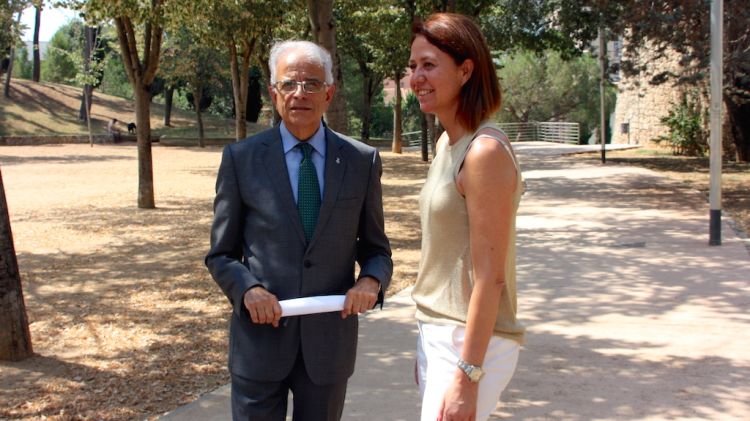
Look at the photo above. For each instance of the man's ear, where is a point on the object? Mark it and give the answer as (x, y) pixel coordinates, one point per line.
(330, 91)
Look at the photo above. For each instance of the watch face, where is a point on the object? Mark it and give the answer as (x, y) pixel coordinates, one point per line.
(473, 372)
(475, 375)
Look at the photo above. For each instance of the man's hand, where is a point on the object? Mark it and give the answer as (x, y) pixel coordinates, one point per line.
(361, 297)
(263, 306)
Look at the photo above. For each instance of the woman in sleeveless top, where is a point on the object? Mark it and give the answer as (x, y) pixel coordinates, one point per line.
(466, 291)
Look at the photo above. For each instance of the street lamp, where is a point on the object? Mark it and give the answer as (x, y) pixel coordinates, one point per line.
(717, 73)
(602, 75)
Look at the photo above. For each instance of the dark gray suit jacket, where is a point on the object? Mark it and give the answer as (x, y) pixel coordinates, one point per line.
(257, 239)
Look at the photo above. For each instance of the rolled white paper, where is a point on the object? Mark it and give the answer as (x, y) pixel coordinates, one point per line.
(312, 305)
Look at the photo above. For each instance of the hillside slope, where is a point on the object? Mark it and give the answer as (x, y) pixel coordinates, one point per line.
(50, 108)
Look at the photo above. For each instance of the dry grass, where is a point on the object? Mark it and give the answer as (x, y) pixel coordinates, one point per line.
(126, 322)
(695, 173)
(52, 109)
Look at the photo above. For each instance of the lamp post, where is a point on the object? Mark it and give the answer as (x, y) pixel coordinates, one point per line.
(602, 75)
(717, 72)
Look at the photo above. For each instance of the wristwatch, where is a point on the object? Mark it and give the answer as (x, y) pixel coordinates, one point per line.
(474, 372)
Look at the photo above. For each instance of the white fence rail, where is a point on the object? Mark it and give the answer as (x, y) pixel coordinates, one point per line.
(557, 131)
(548, 131)
(520, 132)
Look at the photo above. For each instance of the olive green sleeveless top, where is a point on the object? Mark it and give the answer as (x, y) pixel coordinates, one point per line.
(445, 280)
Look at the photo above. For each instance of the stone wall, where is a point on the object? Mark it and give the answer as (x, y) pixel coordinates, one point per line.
(641, 105)
(47, 140)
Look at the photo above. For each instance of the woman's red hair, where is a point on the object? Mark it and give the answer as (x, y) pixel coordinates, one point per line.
(459, 37)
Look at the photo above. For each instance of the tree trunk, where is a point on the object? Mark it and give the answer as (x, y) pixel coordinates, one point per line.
(15, 339)
(240, 80)
(37, 57)
(197, 98)
(88, 48)
(168, 95)
(432, 132)
(739, 118)
(145, 161)
(366, 109)
(254, 96)
(141, 75)
(12, 58)
(397, 116)
(87, 110)
(369, 83)
(425, 137)
(324, 33)
(86, 97)
(263, 59)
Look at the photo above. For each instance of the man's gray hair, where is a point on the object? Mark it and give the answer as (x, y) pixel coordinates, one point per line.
(313, 52)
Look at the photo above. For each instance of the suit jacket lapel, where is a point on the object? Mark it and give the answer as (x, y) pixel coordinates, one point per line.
(334, 176)
(279, 174)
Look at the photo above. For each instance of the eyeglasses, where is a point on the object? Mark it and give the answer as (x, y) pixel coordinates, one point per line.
(308, 86)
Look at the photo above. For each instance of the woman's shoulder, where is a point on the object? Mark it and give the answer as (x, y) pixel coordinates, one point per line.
(492, 130)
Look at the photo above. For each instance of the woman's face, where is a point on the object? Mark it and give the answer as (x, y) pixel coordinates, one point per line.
(436, 80)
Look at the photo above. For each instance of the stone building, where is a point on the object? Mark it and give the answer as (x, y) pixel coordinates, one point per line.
(641, 105)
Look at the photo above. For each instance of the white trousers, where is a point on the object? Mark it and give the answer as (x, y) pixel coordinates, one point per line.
(438, 350)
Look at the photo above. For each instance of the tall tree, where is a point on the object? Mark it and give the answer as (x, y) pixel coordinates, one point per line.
(15, 339)
(89, 47)
(133, 18)
(544, 87)
(12, 55)
(37, 56)
(684, 26)
(9, 29)
(662, 27)
(63, 62)
(236, 26)
(194, 65)
(324, 33)
(392, 54)
(359, 42)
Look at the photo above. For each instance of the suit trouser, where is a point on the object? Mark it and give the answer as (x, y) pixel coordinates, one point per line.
(438, 350)
(267, 401)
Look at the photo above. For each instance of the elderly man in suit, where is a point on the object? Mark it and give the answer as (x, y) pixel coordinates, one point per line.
(296, 206)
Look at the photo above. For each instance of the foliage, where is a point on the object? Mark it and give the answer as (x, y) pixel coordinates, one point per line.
(189, 63)
(240, 27)
(114, 78)
(59, 65)
(382, 117)
(683, 26)
(412, 113)
(536, 26)
(687, 124)
(22, 66)
(546, 87)
(9, 28)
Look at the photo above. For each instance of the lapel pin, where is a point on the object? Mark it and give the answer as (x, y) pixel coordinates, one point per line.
(338, 160)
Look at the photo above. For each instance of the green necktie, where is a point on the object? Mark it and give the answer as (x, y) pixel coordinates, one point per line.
(308, 191)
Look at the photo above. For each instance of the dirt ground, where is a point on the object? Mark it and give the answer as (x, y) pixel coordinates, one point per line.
(126, 322)
(695, 173)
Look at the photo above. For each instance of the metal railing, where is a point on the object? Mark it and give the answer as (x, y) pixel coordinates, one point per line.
(412, 138)
(520, 132)
(558, 131)
(548, 131)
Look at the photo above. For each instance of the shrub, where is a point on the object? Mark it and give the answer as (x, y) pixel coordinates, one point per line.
(687, 124)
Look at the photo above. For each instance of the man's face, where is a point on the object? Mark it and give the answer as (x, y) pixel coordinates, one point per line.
(301, 111)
